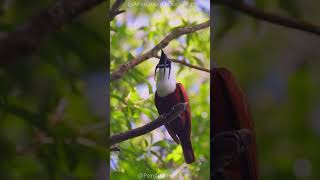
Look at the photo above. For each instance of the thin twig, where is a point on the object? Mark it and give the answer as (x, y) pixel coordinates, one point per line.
(58, 115)
(115, 9)
(269, 17)
(189, 65)
(118, 73)
(161, 120)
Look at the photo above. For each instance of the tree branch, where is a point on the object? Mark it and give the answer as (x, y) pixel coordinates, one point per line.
(115, 9)
(26, 38)
(190, 65)
(269, 17)
(161, 120)
(187, 64)
(118, 73)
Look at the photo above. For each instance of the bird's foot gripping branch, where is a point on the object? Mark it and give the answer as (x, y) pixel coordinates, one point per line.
(161, 120)
(228, 146)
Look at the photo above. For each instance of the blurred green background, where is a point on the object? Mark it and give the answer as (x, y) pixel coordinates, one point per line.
(278, 69)
(53, 103)
(132, 97)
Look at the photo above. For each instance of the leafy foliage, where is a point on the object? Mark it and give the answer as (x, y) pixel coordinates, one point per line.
(46, 110)
(132, 97)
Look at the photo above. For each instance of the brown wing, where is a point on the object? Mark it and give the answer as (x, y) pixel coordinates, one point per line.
(170, 131)
(230, 113)
(187, 114)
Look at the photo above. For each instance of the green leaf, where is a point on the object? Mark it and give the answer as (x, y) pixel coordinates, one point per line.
(261, 4)
(130, 56)
(62, 130)
(149, 87)
(162, 143)
(229, 20)
(290, 6)
(199, 61)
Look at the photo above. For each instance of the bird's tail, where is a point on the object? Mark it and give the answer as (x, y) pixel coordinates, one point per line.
(187, 151)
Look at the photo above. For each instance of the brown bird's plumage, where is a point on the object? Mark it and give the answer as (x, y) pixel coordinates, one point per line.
(180, 128)
(230, 112)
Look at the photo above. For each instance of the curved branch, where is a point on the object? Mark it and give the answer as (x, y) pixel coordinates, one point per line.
(118, 73)
(26, 38)
(272, 18)
(161, 120)
(115, 9)
(189, 65)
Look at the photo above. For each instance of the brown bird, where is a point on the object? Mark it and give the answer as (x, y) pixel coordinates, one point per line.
(168, 94)
(230, 114)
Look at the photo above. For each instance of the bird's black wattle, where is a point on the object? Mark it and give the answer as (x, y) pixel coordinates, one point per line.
(155, 72)
(164, 62)
(164, 73)
(167, 66)
(169, 70)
